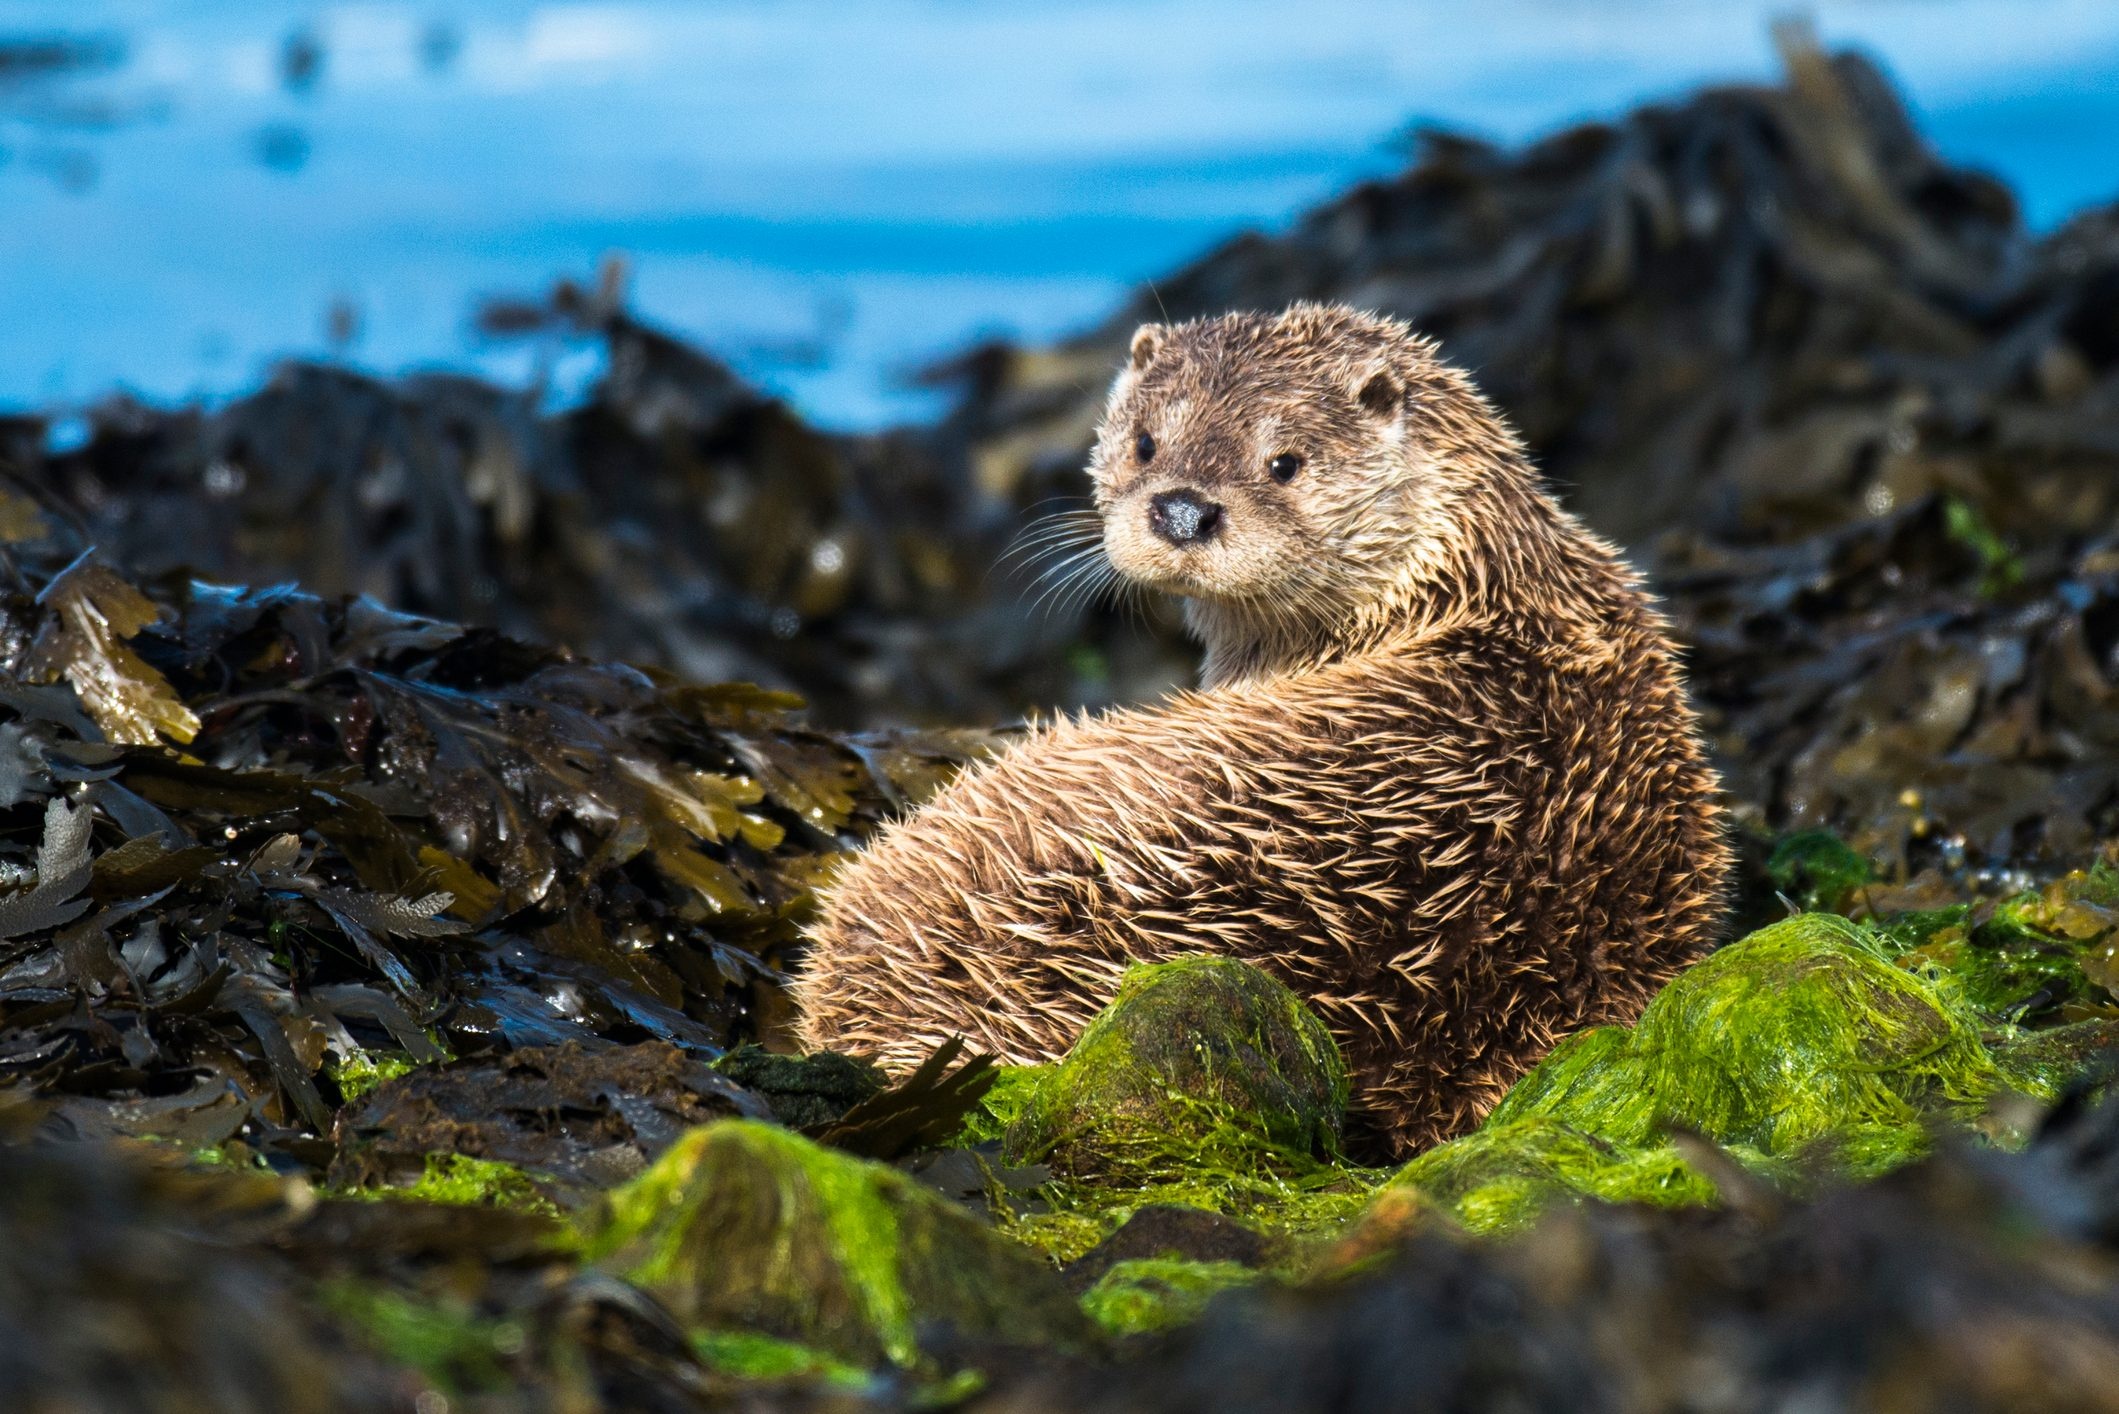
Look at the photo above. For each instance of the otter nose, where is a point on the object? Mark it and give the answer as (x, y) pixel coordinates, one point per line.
(1183, 517)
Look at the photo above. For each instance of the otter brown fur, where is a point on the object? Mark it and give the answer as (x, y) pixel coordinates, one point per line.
(1441, 778)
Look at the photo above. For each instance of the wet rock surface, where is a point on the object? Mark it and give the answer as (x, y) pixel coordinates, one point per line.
(747, 1227)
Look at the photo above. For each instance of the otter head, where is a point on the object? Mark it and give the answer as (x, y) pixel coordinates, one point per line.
(1297, 478)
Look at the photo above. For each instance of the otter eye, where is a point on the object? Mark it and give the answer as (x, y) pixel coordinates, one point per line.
(1144, 447)
(1284, 467)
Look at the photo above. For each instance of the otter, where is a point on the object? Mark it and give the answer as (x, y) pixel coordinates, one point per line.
(1440, 776)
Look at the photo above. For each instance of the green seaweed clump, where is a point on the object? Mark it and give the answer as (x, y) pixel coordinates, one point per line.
(1003, 1103)
(1155, 1293)
(1801, 1042)
(363, 1071)
(1501, 1176)
(1203, 1060)
(744, 1226)
(1204, 1084)
(462, 1181)
(2046, 955)
(1800, 1033)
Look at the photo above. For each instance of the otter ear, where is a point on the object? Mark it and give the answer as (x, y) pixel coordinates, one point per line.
(1382, 396)
(1147, 343)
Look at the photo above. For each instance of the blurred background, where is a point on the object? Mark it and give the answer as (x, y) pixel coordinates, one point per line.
(825, 196)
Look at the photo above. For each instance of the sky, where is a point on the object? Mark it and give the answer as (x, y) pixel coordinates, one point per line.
(826, 194)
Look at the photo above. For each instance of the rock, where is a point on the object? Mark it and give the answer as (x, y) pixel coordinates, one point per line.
(1797, 1033)
(1199, 1060)
(1800, 1041)
(1155, 1293)
(745, 1226)
(1168, 1232)
(1501, 1176)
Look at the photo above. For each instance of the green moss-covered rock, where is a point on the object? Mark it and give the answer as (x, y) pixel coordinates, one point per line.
(1196, 1064)
(1803, 1031)
(744, 1226)
(1155, 1293)
(1501, 1176)
(1799, 1033)
(462, 1181)
(1802, 1040)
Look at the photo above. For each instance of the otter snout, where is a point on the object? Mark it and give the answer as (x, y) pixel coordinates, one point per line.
(1183, 517)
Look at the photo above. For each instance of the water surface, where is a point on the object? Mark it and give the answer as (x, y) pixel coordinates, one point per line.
(825, 193)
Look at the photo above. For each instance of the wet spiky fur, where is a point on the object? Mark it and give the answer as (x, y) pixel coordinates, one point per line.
(1440, 777)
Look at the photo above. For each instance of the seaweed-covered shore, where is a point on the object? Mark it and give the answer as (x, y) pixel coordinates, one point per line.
(396, 879)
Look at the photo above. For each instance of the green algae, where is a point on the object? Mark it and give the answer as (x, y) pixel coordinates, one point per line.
(2043, 1064)
(1204, 1084)
(2003, 970)
(363, 1071)
(1199, 1062)
(745, 1226)
(763, 1361)
(1153, 1294)
(1801, 1046)
(1802, 1031)
(457, 1350)
(2040, 956)
(2000, 567)
(1799, 1032)
(1501, 1176)
(1003, 1103)
(1294, 1209)
(746, 1355)
(233, 1155)
(1814, 1047)
(459, 1180)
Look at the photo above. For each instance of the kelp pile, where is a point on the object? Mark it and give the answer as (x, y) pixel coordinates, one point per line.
(261, 845)
(675, 518)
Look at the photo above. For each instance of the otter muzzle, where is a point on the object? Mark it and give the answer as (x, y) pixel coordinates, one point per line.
(1183, 517)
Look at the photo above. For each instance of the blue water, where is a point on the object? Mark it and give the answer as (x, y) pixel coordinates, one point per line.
(825, 192)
